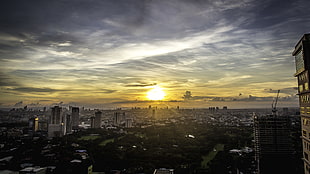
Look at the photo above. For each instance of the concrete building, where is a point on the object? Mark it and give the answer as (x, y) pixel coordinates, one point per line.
(75, 117)
(56, 115)
(119, 118)
(57, 124)
(273, 144)
(34, 124)
(302, 63)
(128, 123)
(68, 123)
(97, 122)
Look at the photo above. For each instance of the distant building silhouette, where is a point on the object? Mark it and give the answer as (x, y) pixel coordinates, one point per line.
(68, 123)
(97, 123)
(128, 123)
(34, 124)
(75, 117)
(56, 115)
(92, 122)
(302, 63)
(57, 124)
(119, 118)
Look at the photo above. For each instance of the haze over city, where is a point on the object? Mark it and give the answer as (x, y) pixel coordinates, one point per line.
(113, 53)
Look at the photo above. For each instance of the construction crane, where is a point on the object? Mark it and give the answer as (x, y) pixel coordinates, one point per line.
(274, 104)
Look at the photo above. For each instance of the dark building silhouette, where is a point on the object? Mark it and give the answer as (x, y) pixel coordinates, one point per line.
(56, 126)
(75, 117)
(302, 63)
(68, 123)
(34, 124)
(55, 115)
(97, 123)
(273, 144)
(118, 118)
(92, 122)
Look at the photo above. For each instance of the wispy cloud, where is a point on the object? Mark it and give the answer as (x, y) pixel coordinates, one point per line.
(216, 49)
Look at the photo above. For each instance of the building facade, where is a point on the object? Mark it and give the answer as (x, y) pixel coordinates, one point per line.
(273, 144)
(119, 118)
(75, 116)
(302, 63)
(56, 115)
(97, 122)
(57, 122)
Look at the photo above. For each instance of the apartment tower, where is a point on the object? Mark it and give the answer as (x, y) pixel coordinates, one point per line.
(302, 63)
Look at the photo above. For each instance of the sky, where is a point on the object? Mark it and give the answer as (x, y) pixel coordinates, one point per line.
(104, 53)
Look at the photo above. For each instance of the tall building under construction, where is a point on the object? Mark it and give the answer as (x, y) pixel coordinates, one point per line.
(302, 63)
(273, 144)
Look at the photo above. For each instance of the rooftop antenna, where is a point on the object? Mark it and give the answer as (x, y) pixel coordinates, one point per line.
(274, 104)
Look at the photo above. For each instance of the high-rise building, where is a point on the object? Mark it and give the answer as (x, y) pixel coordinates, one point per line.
(92, 122)
(56, 126)
(119, 118)
(302, 63)
(34, 124)
(68, 123)
(128, 123)
(273, 144)
(97, 123)
(56, 115)
(75, 117)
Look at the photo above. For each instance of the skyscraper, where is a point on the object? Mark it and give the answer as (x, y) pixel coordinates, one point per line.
(97, 123)
(68, 123)
(75, 117)
(118, 118)
(56, 124)
(92, 122)
(55, 115)
(273, 145)
(302, 63)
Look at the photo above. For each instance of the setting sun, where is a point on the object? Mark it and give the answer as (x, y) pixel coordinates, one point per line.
(156, 93)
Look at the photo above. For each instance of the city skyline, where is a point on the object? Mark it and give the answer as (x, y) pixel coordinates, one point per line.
(109, 54)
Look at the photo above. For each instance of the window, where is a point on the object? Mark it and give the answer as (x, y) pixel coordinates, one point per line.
(300, 66)
(300, 88)
(304, 133)
(306, 86)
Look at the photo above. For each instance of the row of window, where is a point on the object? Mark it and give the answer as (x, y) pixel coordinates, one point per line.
(306, 121)
(304, 133)
(307, 146)
(303, 87)
(299, 61)
(303, 77)
(305, 110)
(305, 98)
